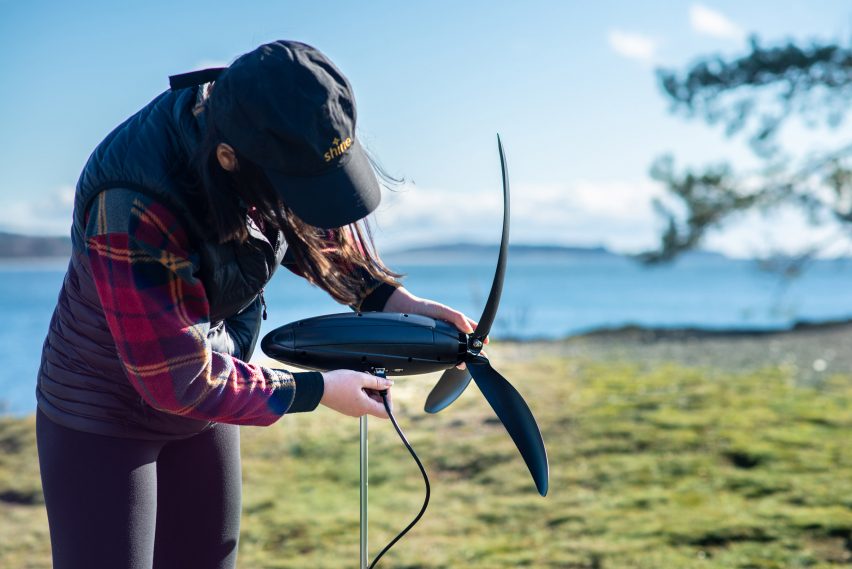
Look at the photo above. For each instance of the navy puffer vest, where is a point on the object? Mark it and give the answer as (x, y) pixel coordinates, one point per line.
(81, 382)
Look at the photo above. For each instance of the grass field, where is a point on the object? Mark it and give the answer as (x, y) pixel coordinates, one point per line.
(655, 463)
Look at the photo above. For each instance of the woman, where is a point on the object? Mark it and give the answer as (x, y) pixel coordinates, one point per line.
(181, 216)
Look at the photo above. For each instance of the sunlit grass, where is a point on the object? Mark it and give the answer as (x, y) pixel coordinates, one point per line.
(651, 466)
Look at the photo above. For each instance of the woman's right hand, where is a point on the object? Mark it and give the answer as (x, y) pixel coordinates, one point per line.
(346, 392)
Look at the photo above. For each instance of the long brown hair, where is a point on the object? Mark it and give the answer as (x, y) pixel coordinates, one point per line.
(336, 260)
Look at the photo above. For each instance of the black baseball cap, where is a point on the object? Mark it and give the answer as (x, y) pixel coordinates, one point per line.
(286, 107)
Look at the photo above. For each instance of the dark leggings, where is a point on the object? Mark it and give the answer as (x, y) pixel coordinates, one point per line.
(127, 503)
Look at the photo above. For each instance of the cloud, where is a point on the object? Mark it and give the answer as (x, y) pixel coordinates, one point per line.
(48, 215)
(709, 22)
(785, 231)
(617, 214)
(633, 45)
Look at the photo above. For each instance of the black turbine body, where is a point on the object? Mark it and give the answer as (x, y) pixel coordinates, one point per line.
(410, 344)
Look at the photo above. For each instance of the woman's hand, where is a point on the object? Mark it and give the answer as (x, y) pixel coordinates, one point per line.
(403, 301)
(354, 393)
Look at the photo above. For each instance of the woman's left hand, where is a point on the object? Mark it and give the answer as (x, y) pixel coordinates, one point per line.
(403, 301)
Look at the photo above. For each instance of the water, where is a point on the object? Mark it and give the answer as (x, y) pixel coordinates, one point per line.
(542, 298)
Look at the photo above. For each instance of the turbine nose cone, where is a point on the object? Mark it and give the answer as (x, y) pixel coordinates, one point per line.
(279, 342)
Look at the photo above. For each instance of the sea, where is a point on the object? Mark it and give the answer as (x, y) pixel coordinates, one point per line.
(544, 297)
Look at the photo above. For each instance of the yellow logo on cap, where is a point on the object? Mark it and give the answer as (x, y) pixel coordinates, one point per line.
(338, 147)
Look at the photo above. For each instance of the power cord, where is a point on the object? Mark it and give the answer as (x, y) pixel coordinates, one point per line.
(384, 395)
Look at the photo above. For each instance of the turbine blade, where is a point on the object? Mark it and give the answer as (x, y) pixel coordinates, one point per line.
(483, 326)
(516, 416)
(452, 384)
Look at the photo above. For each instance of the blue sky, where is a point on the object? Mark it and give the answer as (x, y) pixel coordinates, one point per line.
(570, 87)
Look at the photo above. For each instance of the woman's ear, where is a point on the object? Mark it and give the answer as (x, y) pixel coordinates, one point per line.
(226, 156)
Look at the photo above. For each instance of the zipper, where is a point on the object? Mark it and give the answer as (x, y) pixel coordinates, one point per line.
(263, 303)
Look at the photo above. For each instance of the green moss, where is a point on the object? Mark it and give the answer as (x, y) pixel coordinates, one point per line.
(651, 466)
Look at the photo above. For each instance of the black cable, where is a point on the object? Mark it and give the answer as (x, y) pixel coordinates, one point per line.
(422, 471)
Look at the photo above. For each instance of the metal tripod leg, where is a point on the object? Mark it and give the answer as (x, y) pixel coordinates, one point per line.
(365, 481)
(364, 484)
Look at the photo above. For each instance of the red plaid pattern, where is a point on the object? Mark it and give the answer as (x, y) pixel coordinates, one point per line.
(158, 314)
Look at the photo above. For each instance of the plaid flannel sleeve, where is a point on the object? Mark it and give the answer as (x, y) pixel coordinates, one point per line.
(158, 314)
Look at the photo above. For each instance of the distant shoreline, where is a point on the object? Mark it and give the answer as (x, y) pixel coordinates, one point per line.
(21, 246)
(16, 246)
(44, 263)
